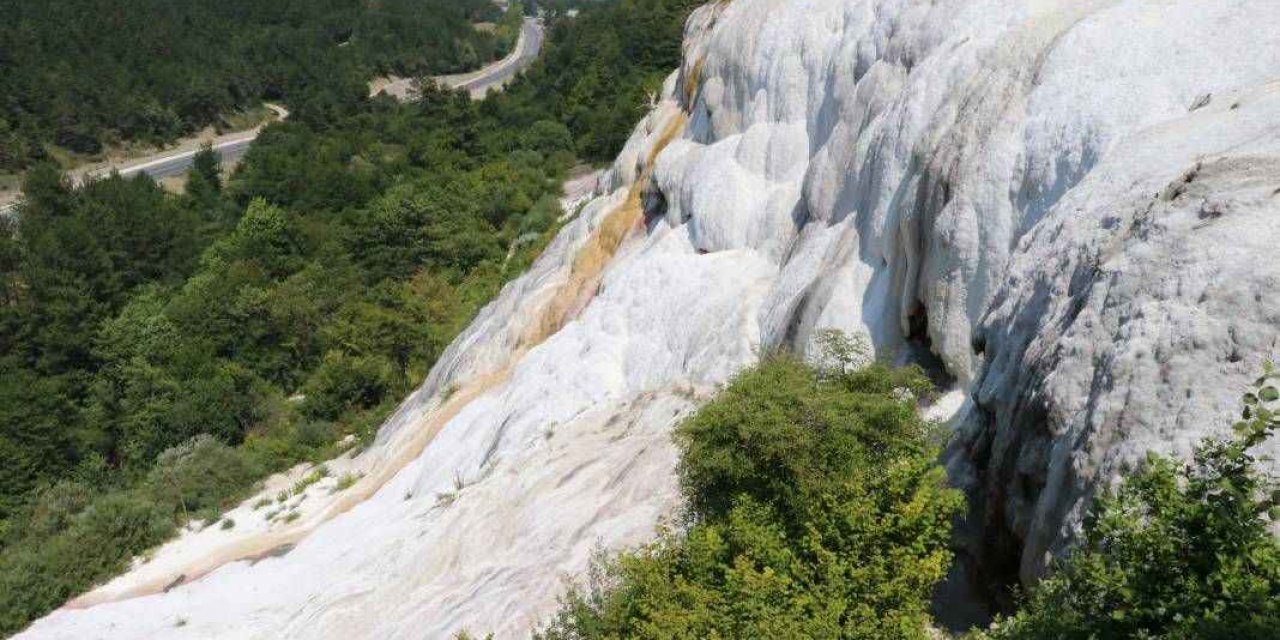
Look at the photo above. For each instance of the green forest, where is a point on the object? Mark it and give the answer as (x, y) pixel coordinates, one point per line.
(598, 72)
(79, 75)
(206, 339)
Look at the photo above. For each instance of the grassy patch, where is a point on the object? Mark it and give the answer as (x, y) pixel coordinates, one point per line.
(245, 119)
(346, 481)
(321, 472)
(10, 183)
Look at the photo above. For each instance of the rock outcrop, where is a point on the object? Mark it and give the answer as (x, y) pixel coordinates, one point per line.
(1067, 209)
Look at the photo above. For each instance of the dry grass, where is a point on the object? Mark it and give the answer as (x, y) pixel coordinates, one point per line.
(246, 119)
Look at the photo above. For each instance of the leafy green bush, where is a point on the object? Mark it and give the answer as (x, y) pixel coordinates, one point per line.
(75, 535)
(1180, 550)
(200, 476)
(787, 435)
(816, 510)
(343, 382)
(53, 510)
(37, 573)
(313, 435)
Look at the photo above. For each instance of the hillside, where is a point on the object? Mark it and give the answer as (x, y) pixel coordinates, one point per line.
(82, 75)
(164, 353)
(1061, 209)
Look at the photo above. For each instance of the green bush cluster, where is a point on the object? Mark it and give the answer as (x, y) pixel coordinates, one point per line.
(75, 532)
(507, 29)
(817, 509)
(1180, 550)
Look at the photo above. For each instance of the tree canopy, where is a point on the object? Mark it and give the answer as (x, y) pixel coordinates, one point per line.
(76, 75)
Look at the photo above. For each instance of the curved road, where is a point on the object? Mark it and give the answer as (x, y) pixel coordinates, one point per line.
(233, 147)
(479, 82)
(497, 75)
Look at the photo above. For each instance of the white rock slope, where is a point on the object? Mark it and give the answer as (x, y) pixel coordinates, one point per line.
(1073, 204)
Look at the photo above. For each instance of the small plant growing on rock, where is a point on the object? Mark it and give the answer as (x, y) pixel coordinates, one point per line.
(448, 391)
(321, 472)
(346, 481)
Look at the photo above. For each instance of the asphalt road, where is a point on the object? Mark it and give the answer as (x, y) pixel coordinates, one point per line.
(163, 166)
(177, 164)
(478, 83)
(530, 46)
(234, 148)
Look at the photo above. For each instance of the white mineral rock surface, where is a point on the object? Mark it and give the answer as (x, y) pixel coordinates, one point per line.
(1074, 204)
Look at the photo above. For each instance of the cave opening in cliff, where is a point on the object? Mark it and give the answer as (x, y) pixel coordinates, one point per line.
(919, 349)
(654, 205)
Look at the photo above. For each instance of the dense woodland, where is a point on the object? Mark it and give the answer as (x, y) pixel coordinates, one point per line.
(76, 75)
(599, 72)
(200, 341)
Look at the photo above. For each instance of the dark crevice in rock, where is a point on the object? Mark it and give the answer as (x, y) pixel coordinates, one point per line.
(990, 464)
(654, 204)
(919, 349)
(1008, 488)
(796, 322)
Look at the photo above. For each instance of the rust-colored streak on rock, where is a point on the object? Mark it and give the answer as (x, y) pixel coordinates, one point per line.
(569, 298)
(590, 262)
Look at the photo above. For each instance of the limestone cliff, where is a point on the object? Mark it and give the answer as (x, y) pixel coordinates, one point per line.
(1066, 208)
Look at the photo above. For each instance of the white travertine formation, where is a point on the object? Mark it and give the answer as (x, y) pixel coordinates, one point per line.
(1072, 203)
